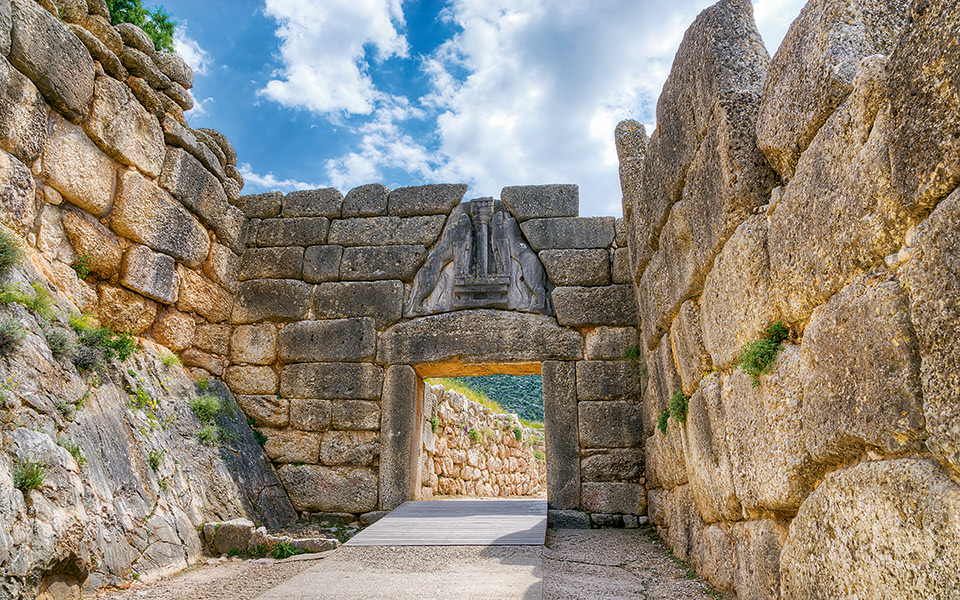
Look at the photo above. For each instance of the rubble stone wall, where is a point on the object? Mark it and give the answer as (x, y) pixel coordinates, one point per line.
(817, 188)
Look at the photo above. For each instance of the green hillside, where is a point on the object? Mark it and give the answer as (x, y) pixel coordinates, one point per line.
(521, 394)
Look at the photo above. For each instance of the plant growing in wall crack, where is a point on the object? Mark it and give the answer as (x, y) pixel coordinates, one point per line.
(662, 421)
(757, 357)
(678, 406)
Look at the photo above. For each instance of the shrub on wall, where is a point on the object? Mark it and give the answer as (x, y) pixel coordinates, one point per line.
(157, 22)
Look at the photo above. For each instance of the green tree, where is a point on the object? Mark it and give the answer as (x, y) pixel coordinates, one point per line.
(156, 22)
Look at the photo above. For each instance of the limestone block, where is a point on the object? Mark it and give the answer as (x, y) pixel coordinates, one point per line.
(478, 336)
(23, 114)
(52, 239)
(140, 65)
(609, 343)
(211, 138)
(6, 23)
(254, 344)
(382, 300)
(310, 414)
(261, 206)
(330, 490)
(100, 27)
(200, 295)
(109, 61)
(861, 374)
(662, 383)
(692, 359)
(708, 464)
(886, 529)
(331, 380)
(351, 448)
(292, 447)
(192, 357)
(135, 37)
(300, 231)
(381, 262)
(380, 231)
(560, 417)
(624, 464)
(715, 564)
(213, 338)
(684, 527)
(252, 380)
(18, 196)
(577, 267)
(174, 67)
(338, 340)
(420, 230)
(569, 232)
(664, 460)
(125, 311)
(567, 519)
(609, 424)
(46, 51)
(322, 263)
(272, 300)
(541, 201)
(173, 329)
(272, 263)
(620, 269)
(76, 168)
(838, 217)
(614, 497)
(178, 94)
(223, 267)
(266, 411)
(356, 414)
(756, 574)
(228, 536)
(151, 101)
(613, 305)
(146, 214)
(932, 279)
(152, 274)
(434, 199)
(607, 380)
(771, 466)
(398, 436)
(366, 201)
(123, 127)
(325, 202)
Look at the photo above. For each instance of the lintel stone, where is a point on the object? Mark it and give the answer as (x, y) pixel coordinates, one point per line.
(540, 201)
(569, 232)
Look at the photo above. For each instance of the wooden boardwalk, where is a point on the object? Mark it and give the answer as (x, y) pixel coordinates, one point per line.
(459, 523)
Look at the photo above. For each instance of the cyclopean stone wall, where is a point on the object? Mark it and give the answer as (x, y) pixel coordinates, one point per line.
(819, 188)
(496, 464)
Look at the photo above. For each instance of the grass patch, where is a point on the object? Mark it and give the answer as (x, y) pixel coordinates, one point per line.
(76, 452)
(434, 424)
(209, 435)
(285, 550)
(662, 421)
(474, 434)
(10, 252)
(29, 475)
(82, 266)
(518, 432)
(169, 359)
(756, 358)
(539, 455)
(678, 406)
(156, 459)
(206, 408)
(60, 342)
(12, 333)
(40, 301)
(99, 345)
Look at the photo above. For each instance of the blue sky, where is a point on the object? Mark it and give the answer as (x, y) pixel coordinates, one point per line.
(338, 93)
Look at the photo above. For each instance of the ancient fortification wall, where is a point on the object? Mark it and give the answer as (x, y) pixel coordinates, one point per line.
(817, 189)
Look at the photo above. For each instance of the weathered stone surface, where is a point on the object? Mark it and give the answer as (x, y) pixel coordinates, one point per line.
(380, 231)
(272, 263)
(146, 214)
(567, 519)
(174, 67)
(18, 197)
(861, 374)
(322, 263)
(178, 94)
(398, 437)
(607, 380)
(151, 101)
(434, 199)
(331, 380)
(140, 65)
(692, 359)
(739, 300)
(135, 37)
(352, 448)
(272, 300)
(542, 201)
(714, 557)
(193, 357)
(99, 25)
(932, 279)
(382, 300)
(200, 295)
(684, 526)
(173, 329)
(52, 239)
(662, 383)
(125, 311)
(613, 305)
(381, 262)
(123, 128)
(223, 267)
(330, 490)
(313, 203)
(5, 24)
(577, 267)
(356, 414)
(252, 380)
(254, 344)
(300, 231)
(338, 340)
(266, 411)
(77, 168)
(227, 536)
(886, 529)
(99, 51)
(613, 465)
(609, 343)
(610, 424)
(46, 51)
(292, 447)
(838, 216)
(813, 70)
(665, 463)
(621, 270)
(757, 545)
(614, 497)
(261, 206)
(478, 336)
(569, 232)
(560, 420)
(310, 414)
(213, 338)
(366, 201)
(151, 274)
(705, 448)
(23, 114)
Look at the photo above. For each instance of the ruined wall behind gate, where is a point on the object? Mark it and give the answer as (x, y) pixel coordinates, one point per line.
(819, 189)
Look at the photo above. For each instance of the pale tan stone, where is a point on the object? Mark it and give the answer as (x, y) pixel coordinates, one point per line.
(291, 446)
(174, 329)
(77, 168)
(200, 295)
(254, 344)
(125, 311)
(251, 381)
(94, 243)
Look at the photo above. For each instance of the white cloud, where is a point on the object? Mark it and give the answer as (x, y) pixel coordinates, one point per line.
(254, 182)
(190, 51)
(774, 18)
(324, 54)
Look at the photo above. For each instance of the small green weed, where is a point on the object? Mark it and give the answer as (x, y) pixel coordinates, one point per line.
(633, 354)
(100, 345)
(11, 334)
(206, 408)
(169, 359)
(474, 434)
(678, 406)
(539, 455)
(518, 432)
(203, 384)
(142, 399)
(82, 266)
(285, 550)
(42, 301)
(662, 421)
(67, 409)
(156, 459)
(10, 252)
(75, 451)
(434, 424)
(259, 437)
(757, 357)
(60, 342)
(209, 435)
(29, 475)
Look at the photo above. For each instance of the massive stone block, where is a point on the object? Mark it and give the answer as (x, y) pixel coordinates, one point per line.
(325, 489)
(6, 22)
(609, 343)
(123, 128)
(692, 359)
(382, 231)
(569, 232)
(348, 340)
(434, 199)
(382, 300)
(609, 424)
(18, 198)
(607, 380)
(714, 557)
(577, 267)
(542, 201)
(202, 296)
(254, 344)
(684, 532)
(663, 382)
(272, 263)
(664, 460)
(313, 203)
(261, 206)
(398, 437)
(267, 410)
(622, 464)
(322, 263)
(588, 306)
(356, 414)
(310, 414)
(124, 310)
(350, 448)
(272, 300)
(366, 201)
(886, 529)
(77, 168)
(614, 497)
(151, 274)
(223, 267)
(46, 51)
(561, 429)
(331, 380)
(173, 329)
(23, 115)
(300, 231)
(252, 380)
(146, 214)
(478, 336)
(709, 468)
(758, 543)
(381, 262)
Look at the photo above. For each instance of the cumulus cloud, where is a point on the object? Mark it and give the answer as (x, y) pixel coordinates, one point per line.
(774, 18)
(255, 182)
(190, 51)
(323, 48)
